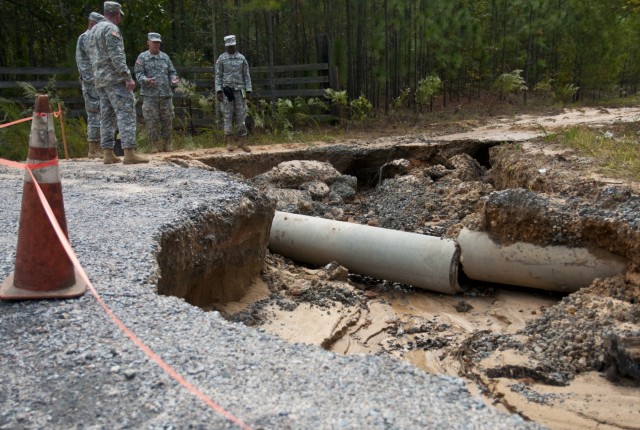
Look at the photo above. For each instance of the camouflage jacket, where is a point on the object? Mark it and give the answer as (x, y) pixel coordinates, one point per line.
(106, 51)
(232, 70)
(82, 58)
(159, 67)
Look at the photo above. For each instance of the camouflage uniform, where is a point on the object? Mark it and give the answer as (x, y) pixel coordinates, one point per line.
(91, 97)
(157, 103)
(232, 70)
(110, 71)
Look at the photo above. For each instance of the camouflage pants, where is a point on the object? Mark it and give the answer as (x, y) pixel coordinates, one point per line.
(158, 116)
(92, 106)
(117, 112)
(234, 110)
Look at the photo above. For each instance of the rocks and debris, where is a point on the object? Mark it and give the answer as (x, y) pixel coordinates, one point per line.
(541, 199)
(524, 389)
(463, 306)
(622, 357)
(542, 375)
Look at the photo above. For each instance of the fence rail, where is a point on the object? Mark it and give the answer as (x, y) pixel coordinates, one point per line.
(300, 80)
(304, 80)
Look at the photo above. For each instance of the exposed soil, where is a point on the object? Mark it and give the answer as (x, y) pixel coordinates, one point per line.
(565, 360)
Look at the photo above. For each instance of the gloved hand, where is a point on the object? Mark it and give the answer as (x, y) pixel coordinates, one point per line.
(248, 94)
(219, 95)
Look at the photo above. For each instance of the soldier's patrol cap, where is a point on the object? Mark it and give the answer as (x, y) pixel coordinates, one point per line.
(112, 7)
(95, 17)
(229, 40)
(154, 37)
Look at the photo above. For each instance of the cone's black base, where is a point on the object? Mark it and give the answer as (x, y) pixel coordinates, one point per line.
(9, 292)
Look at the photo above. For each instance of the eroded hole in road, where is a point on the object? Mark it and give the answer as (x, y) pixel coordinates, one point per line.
(361, 161)
(510, 342)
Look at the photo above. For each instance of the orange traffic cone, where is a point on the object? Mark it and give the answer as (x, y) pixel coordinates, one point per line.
(43, 270)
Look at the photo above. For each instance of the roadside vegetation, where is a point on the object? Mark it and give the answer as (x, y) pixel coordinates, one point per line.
(334, 117)
(615, 150)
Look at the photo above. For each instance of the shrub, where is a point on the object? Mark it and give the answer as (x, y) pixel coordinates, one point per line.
(426, 89)
(566, 93)
(510, 83)
(361, 108)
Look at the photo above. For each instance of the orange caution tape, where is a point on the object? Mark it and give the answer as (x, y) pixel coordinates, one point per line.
(148, 351)
(42, 114)
(15, 122)
(28, 166)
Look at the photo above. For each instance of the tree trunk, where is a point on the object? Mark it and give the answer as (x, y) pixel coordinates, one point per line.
(387, 68)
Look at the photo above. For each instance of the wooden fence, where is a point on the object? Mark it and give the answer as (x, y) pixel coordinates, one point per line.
(302, 80)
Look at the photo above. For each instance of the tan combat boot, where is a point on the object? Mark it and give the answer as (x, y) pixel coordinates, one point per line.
(243, 145)
(130, 157)
(228, 140)
(154, 147)
(95, 151)
(109, 157)
(167, 145)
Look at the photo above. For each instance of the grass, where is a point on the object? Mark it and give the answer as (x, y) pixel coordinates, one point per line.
(615, 149)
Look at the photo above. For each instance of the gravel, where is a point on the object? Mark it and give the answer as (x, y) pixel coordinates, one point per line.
(66, 364)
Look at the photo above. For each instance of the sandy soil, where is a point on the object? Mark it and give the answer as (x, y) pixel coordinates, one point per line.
(528, 351)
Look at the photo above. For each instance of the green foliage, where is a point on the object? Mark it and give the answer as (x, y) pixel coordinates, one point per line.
(75, 133)
(30, 92)
(566, 93)
(337, 98)
(189, 57)
(544, 88)
(284, 115)
(205, 138)
(187, 96)
(259, 111)
(338, 101)
(618, 156)
(402, 101)
(361, 108)
(186, 88)
(427, 88)
(316, 105)
(14, 140)
(510, 82)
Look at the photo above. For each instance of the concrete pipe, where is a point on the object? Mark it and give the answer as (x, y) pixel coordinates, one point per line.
(556, 268)
(409, 258)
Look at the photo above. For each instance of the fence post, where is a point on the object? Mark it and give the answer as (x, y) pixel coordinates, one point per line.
(64, 135)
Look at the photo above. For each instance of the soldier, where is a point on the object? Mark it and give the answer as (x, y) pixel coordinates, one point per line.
(156, 74)
(115, 86)
(91, 97)
(233, 84)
